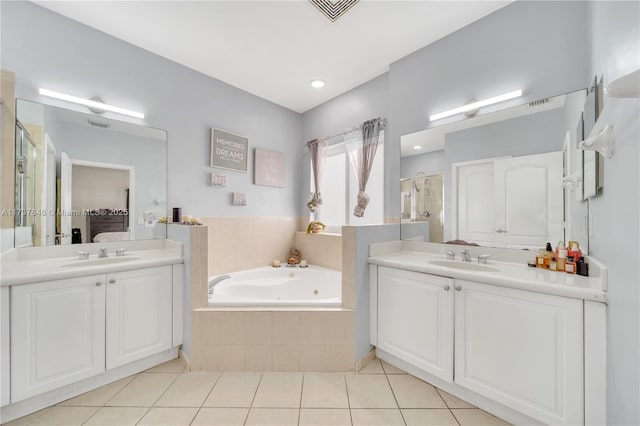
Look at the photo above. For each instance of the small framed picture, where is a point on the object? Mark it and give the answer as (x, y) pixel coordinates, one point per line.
(229, 150)
(268, 168)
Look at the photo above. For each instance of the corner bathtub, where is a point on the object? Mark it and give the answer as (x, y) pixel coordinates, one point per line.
(284, 286)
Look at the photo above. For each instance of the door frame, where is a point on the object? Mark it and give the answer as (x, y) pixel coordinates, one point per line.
(132, 184)
(48, 149)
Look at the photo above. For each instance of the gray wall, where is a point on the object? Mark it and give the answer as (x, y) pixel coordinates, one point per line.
(47, 50)
(367, 101)
(536, 46)
(364, 236)
(615, 51)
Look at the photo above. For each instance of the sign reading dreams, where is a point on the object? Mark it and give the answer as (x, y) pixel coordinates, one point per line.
(228, 150)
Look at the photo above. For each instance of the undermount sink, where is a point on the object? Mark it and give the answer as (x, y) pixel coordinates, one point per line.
(464, 266)
(101, 261)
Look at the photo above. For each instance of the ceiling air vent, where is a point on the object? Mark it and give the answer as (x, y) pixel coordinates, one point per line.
(539, 102)
(333, 9)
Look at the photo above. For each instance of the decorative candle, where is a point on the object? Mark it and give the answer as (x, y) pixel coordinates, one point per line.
(276, 264)
(303, 263)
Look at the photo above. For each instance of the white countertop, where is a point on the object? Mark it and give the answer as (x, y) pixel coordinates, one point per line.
(24, 267)
(513, 275)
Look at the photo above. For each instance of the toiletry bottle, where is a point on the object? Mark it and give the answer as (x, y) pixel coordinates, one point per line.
(582, 267)
(561, 256)
(540, 259)
(548, 254)
(570, 265)
(554, 264)
(574, 250)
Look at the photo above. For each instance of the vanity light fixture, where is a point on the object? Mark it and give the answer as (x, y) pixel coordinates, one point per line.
(317, 84)
(475, 105)
(91, 104)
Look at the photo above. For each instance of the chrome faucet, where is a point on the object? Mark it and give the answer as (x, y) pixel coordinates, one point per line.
(102, 252)
(466, 255)
(451, 255)
(215, 281)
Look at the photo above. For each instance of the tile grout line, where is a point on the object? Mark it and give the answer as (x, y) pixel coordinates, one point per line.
(394, 397)
(253, 399)
(157, 399)
(300, 405)
(446, 404)
(348, 400)
(205, 399)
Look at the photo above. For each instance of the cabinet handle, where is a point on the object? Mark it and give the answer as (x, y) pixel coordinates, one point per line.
(446, 288)
(112, 281)
(458, 288)
(98, 283)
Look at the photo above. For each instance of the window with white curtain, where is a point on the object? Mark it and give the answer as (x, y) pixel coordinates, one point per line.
(340, 191)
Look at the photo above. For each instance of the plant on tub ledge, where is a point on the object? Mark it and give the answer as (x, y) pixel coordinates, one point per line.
(315, 227)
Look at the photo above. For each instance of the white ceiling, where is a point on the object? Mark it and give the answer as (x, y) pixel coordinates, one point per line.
(273, 49)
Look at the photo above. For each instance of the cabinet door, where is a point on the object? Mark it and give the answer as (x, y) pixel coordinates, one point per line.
(138, 314)
(521, 349)
(57, 334)
(415, 319)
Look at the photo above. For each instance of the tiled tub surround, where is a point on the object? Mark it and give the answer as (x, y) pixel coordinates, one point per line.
(250, 339)
(241, 243)
(168, 395)
(269, 339)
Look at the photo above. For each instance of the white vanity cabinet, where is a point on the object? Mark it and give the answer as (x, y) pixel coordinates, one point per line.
(68, 330)
(521, 349)
(139, 314)
(57, 334)
(415, 319)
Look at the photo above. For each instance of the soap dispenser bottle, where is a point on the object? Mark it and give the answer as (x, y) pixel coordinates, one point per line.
(561, 256)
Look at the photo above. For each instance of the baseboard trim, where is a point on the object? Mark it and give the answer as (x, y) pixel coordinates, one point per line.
(22, 408)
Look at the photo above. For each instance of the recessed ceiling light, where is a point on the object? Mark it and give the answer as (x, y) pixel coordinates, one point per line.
(317, 83)
(417, 147)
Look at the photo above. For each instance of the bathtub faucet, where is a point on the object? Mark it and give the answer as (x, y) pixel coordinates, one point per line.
(215, 281)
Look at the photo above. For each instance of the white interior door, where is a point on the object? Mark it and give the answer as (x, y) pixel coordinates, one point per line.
(475, 211)
(66, 178)
(528, 200)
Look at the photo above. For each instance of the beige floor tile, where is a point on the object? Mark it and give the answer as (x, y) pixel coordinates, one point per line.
(98, 397)
(373, 367)
(452, 401)
(476, 417)
(376, 417)
(429, 417)
(390, 369)
(26, 420)
(178, 365)
(411, 392)
(189, 390)
(221, 416)
(272, 417)
(324, 391)
(163, 416)
(369, 391)
(144, 390)
(280, 390)
(233, 390)
(117, 416)
(325, 417)
(66, 416)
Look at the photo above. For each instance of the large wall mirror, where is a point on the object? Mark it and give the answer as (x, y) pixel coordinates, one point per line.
(496, 180)
(83, 178)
